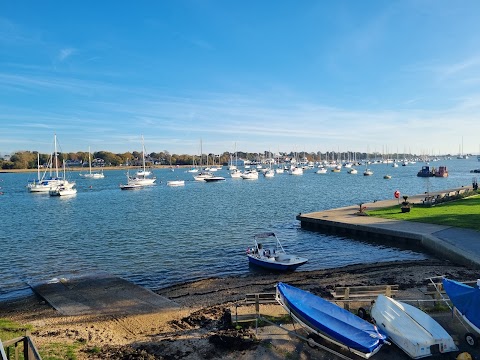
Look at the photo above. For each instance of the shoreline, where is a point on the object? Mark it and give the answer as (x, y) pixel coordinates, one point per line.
(189, 333)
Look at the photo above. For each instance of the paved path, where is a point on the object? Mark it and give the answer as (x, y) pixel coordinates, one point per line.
(456, 244)
(101, 294)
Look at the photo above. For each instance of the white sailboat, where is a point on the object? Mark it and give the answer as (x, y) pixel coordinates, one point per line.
(44, 183)
(202, 175)
(92, 175)
(141, 178)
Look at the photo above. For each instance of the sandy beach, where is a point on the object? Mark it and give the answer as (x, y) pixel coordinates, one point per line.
(198, 330)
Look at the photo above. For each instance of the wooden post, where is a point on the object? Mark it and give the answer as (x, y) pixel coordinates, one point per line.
(346, 305)
(388, 291)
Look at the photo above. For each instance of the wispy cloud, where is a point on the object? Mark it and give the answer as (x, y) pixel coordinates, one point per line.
(65, 53)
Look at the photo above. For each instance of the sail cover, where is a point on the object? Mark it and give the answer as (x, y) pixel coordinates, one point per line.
(465, 298)
(331, 320)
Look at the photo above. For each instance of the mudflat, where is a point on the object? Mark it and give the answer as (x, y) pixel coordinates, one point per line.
(199, 328)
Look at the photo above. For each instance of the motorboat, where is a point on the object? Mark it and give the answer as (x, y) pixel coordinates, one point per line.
(388, 177)
(250, 174)
(131, 186)
(201, 176)
(441, 172)
(368, 172)
(353, 171)
(322, 170)
(236, 174)
(269, 173)
(214, 179)
(296, 171)
(466, 300)
(274, 256)
(62, 191)
(425, 171)
(176, 183)
(329, 321)
(412, 330)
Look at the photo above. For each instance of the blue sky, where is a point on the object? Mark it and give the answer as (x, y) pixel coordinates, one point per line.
(279, 75)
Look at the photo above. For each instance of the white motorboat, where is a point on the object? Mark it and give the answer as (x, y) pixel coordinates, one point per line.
(412, 330)
(274, 256)
(269, 173)
(367, 172)
(353, 171)
(214, 179)
(296, 171)
(62, 191)
(176, 183)
(322, 170)
(201, 176)
(236, 174)
(251, 174)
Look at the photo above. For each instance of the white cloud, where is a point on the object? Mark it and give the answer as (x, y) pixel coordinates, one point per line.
(64, 54)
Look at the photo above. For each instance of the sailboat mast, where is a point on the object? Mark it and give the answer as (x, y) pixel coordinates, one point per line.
(89, 160)
(143, 154)
(56, 156)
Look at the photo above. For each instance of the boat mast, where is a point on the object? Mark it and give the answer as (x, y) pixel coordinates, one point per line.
(56, 156)
(143, 154)
(89, 161)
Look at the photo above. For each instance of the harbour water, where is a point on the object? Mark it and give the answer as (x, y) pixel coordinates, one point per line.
(160, 235)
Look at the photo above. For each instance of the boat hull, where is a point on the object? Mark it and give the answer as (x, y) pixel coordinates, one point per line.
(276, 265)
(331, 322)
(412, 330)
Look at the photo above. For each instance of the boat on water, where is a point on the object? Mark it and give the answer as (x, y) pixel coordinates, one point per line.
(214, 179)
(296, 171)
(202, 175)
(90, 174)
(250, 174)
(425, 171)
(142, 177)
(412, 330)
(45, 182)
(236, 174)
(441, 172)
(62, 191)
(176, 183)
(322, 170)
(329, 321)
(368, 172)
(466, 300)
(274, 256)
(353, 171)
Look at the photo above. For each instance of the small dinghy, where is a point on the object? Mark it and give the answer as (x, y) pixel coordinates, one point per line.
(466, 300)
(330, 321)
(274, 256)
(412, 330)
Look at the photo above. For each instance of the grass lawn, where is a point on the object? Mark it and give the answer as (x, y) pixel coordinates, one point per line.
(464, 213)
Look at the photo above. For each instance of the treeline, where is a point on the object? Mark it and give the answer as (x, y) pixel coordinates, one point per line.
(29, 159)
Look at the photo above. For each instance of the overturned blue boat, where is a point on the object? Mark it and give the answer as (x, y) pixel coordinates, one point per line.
(466, 300)
(330, 321)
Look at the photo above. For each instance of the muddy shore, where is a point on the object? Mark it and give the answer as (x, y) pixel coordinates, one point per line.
(200, 329)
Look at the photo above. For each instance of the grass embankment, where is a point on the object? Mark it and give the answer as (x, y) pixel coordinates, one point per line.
(464, 213)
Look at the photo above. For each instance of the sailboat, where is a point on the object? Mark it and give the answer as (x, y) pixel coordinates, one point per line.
(44, 183)
(202, 175)
(142, 177)
(92, 175)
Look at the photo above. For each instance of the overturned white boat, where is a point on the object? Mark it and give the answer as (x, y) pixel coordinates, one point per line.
(412, 330)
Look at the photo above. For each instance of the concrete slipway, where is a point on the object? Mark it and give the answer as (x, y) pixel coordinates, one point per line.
(455, 244)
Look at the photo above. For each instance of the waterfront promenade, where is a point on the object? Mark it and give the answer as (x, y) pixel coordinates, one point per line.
(459, 245)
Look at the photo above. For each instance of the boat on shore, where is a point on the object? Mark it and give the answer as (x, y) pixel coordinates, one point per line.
(466, 300)
(329, 321)
(413, 331)
(273, 257)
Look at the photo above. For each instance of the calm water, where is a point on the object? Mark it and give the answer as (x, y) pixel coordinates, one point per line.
(162, 235)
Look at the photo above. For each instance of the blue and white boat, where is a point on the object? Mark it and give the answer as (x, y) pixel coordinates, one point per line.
(273, 256)
(466, 300)
(325, 319)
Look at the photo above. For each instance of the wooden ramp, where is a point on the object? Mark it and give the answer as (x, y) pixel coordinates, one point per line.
(101, 294)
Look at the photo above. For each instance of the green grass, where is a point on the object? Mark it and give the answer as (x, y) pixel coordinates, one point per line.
(59, 351)
(10, 330)
(463, 213)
